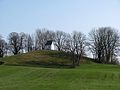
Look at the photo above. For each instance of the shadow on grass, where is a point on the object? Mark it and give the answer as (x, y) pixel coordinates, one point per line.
(43, 65)
(1, 62)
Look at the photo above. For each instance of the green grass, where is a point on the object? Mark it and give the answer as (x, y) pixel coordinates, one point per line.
(37, 58)
(85, 77)
(24, 72)
(42, 58)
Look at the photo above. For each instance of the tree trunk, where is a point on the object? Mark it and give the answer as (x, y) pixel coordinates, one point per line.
(79, 58)
(73, 59)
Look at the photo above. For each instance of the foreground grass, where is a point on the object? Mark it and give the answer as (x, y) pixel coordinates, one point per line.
(85, 77)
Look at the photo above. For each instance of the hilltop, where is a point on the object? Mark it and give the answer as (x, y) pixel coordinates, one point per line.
(42, 57)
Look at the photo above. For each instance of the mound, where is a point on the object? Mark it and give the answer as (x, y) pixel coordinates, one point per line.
(42, 57)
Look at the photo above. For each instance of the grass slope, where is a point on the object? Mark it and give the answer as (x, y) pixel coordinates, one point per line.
(43, 57)
(37, 58)
(85, 77)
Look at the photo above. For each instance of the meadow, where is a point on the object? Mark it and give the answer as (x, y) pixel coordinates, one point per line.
(84, 77)
(87, 76)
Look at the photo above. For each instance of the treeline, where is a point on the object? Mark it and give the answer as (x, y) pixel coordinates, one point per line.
(103, 43)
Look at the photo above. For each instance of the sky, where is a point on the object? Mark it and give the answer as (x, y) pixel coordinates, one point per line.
(65, 15)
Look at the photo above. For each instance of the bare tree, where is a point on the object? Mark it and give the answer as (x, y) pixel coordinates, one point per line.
(22, 37)
(66, 45)
(104, 44)
(2, 46)
(42, 36)
(75, 44)
(78, 43)
(79, 40)
(14, 42)
(60, 38)
(29, 43)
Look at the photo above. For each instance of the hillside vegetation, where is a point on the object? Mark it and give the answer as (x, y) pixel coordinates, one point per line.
(36, 58)
(41, 58)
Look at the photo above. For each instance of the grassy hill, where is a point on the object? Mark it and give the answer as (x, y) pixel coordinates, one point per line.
(16, 75)
(85, 77)
(41, 58)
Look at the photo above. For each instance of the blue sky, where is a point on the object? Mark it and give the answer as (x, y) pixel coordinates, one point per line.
(66, 15)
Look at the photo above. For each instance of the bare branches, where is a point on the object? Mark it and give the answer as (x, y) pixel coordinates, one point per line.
(16, 42)
(42, 36)
(2, 46)
(104, 42)
(60, 38)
